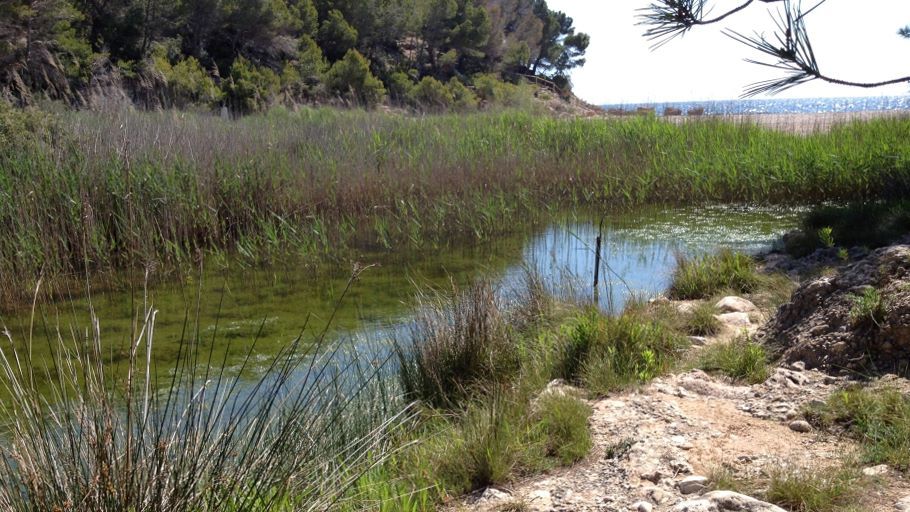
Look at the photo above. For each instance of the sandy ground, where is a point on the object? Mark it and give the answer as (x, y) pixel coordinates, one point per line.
(649, 440)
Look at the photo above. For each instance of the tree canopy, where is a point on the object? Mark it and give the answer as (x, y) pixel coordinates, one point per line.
(788, 49)
(246, 53)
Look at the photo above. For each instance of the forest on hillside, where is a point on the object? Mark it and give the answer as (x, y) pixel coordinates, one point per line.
(249, 54)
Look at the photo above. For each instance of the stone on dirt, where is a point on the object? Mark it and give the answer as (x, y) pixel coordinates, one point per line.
(726, 501)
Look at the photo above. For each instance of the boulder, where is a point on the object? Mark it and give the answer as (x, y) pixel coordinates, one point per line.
(692, 484)
(725, 501)
(734, 319)
(733, 304)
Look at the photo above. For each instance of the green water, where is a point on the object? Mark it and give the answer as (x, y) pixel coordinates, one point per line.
(231, 308)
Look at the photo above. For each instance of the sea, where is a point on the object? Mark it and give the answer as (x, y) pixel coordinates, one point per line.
(774, 106)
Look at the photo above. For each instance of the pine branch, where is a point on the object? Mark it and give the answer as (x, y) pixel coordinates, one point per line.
(790, 46)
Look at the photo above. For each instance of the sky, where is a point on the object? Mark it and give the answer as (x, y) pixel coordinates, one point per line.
(850, 42)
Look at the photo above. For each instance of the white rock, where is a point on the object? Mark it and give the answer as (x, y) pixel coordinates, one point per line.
(657, 495)
(642, 506)
(692, 484)
(800, 426)
(903, 504)
(880, 470)
(725, 501)
(698, 341)
(652, 476)
(734, 319)
(493, 495)
(732, 304)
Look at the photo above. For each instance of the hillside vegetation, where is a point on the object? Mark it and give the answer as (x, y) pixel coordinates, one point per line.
(249, 54)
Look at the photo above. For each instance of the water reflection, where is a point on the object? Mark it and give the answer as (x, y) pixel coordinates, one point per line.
(225, 311)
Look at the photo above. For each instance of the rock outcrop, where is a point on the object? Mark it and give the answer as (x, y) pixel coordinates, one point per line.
(855, 320)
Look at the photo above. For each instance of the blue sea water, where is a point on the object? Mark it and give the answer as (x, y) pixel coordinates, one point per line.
(777, 106)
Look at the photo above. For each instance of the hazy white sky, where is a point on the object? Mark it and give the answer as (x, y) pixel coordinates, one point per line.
(850, 42)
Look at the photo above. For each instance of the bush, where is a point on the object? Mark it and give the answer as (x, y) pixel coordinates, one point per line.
(462, 98)
(456, 349)
(431, 94)
(351, 78)
(400, 86)
(739, 359)
(187, 81)
(23, 127)
(250, 88)
(494, 91)
(704, 276)
(608, 353)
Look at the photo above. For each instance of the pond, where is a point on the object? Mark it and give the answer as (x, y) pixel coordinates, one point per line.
(230, 309)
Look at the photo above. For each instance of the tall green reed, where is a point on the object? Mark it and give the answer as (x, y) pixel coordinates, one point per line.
(115, 189)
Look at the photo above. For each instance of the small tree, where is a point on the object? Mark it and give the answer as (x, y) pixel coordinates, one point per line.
(351, 78)
(336, 35)
(790, 48)
(250, 88)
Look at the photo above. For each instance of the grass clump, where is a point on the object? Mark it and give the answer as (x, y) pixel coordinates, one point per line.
(704, 276)
(701, 320)
(868, 309)
(498, 438)
(456, 348)
(740, 359)
(830, 490)
(609, 353)
(564, 421)
(478, 376)
(879, 419)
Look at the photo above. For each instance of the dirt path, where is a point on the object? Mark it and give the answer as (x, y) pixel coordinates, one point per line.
(651, 444)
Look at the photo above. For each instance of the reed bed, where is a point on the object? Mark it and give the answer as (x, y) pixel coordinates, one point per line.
(90, 191)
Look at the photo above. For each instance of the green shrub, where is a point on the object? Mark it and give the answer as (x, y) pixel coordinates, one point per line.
(608, 353)
(868, 309)
(703, 276)
(250, 88)
(23, 127)
(351, 78)
(880, 420)
(400, 85)
(494, 91)
(462, 98)
(564, 420)
(431, 94)
(826, 236)
(739, 359)
(701, 320)
(187, 81)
